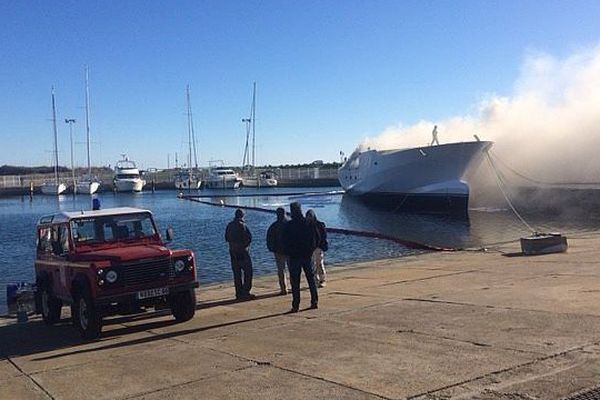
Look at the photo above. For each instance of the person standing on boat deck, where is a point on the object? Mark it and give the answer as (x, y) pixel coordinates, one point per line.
(239, 238)
(299, 241)
(275, 246)
(322, 246)
(434, 134)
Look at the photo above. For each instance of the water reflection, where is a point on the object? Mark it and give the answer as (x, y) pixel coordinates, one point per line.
(437, 230)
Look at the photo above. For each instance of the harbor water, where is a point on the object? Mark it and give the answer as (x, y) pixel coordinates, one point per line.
(201, 228)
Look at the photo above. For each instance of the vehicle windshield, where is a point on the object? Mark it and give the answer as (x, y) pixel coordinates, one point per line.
(110, 228)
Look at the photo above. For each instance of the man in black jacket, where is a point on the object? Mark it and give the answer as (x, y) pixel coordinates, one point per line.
(239, 238)
(275, 246)
(299, 241)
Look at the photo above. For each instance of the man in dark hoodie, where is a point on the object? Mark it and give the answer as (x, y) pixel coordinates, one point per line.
(239, 238)
(275, 246)
(299, 241)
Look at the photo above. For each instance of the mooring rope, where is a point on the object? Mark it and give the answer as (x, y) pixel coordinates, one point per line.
(539, 182)
(343, 231)
(505, 194)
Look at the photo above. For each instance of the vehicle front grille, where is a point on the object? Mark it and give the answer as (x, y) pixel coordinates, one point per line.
(147, 271)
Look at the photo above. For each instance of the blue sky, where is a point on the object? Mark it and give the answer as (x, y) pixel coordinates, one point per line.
(329, 73)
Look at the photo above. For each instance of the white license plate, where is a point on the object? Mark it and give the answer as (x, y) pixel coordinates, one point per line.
(146, 294)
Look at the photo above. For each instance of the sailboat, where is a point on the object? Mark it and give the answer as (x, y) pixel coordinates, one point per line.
(250, 177)
(188, 179)
(87, 184)
(54, 187)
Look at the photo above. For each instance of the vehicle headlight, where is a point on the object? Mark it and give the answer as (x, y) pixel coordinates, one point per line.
(111, 276)
(179, 265)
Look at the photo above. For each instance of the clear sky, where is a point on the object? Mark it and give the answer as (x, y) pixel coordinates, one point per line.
(329, 73)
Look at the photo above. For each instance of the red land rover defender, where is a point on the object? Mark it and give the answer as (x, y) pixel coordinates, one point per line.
(109, 262)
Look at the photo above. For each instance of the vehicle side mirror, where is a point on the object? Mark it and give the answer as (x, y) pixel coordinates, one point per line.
(169, 234)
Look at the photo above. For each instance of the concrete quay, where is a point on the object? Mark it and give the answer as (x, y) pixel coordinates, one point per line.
(465, 325)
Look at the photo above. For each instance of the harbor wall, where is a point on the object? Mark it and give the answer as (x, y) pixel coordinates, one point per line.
(21, 185)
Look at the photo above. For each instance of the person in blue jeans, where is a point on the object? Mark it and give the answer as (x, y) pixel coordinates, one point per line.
(300, 239)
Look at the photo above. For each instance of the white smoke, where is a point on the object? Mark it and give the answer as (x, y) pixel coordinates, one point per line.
(549, 128)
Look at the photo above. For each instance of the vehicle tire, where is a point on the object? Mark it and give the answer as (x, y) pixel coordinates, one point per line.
(85, 316)
(183, 305)
(50, 306)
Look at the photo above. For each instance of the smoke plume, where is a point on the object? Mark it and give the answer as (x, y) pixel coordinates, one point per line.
(548, 128)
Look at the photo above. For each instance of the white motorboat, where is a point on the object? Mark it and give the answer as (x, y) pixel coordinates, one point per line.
(222, 178)
(127, 176)
(429, 179)
(188, 180)
(54, 187)
(250, 176)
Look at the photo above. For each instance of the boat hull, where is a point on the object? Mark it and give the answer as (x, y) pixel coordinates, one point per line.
(53, 188)
(452, 204)
(222, 184)
(129, 185)
(262, 182)
(427, 179)
(87, 187)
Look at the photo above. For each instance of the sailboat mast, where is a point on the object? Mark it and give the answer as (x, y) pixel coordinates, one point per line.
(189, 115)
(87, 120)
(55, 138)
(253, 117)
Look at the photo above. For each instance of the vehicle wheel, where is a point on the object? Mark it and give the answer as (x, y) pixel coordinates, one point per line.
(50, 306)
(85, 316)
(183, 305)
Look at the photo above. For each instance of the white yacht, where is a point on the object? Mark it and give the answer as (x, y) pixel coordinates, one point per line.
(222, 178)
(54, 187)
(429, 179)
(127, 176)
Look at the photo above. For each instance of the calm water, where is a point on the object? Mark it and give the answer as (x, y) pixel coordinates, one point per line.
(201, 228)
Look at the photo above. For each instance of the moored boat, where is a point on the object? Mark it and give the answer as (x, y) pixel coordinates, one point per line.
(127, 176)
(427, 179)
(222, 178)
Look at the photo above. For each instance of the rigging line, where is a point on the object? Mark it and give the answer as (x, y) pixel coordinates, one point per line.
(500, 185)
(505, 165)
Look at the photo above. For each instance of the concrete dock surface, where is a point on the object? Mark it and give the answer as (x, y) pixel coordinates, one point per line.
(468, 325)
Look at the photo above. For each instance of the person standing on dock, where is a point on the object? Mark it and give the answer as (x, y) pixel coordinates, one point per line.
(239, 238)
(299, 241)
(322, 246)
(275, 246)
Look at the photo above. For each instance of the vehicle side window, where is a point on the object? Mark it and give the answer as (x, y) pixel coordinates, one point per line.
(63, 238)
(84, 230)
(45, 240)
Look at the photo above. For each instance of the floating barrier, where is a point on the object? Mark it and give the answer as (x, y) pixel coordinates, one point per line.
(291, 195)
(343, 231)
